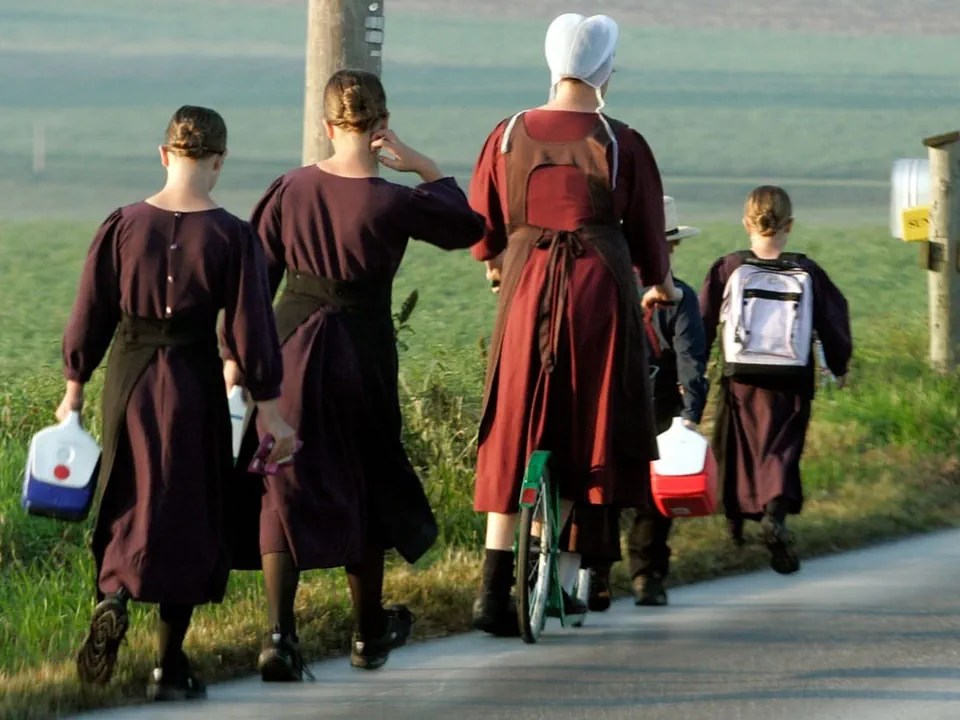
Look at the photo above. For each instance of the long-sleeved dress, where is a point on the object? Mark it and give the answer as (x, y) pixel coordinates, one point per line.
(154, 282)
(574, 199)
(761, 422)
(339, 242)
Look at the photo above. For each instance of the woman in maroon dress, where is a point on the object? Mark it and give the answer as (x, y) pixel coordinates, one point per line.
(573, 202)
(338, 232)
(156, 276)
(762, 419)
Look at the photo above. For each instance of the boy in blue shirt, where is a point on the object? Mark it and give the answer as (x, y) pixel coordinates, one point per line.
(678, 350)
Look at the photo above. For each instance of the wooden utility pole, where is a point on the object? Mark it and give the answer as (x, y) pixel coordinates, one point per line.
(944, 261)
(340, 34)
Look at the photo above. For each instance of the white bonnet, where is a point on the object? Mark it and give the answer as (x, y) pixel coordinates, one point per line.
(581, 48)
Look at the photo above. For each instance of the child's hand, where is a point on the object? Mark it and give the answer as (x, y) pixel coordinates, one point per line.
(72, 400)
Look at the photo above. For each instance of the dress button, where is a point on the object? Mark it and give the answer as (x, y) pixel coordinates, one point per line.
(176, 214)
(169, 278)
(168, 311)
(174, 246)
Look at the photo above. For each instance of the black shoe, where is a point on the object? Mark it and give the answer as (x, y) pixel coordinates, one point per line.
(649, 591)
(574, 605)
(372, 653)
(779, 540)
(600, 595)
(108, 626)
(496, 618)
(175, 685)
(280, 659)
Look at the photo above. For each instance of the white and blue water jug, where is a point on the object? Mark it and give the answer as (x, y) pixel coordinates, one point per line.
(61, 473)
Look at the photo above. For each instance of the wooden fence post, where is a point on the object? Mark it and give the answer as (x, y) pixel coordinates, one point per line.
(340, 34)
(944, 262)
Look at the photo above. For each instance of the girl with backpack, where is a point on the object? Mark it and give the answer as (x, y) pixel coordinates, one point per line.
(769, 306)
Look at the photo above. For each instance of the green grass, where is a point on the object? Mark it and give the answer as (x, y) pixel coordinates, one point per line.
(873, 468)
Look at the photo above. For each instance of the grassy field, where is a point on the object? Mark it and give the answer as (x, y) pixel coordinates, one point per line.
(722, 108)
(873, 468)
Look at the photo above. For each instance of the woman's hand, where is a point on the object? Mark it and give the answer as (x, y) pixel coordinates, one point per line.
(403, 158)
(494, 268)
(72, 400)
(284, 436)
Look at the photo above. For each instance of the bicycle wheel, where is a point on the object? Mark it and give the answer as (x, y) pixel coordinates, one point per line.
(535, 552)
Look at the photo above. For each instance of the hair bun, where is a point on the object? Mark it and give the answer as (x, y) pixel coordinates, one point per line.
(196, 132)
(354, 100)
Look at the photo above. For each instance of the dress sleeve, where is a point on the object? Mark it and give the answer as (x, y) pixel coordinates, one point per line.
(250, 330)
(485, 199)
(711, 298)
(438, 213)
(643, 215)
(96, 310)
(690, 348)
(831, 321)
(268, 223)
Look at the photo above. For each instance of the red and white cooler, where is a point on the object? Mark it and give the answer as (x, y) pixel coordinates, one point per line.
(684, 479)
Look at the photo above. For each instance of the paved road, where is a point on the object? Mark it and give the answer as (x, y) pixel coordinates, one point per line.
(870, 635)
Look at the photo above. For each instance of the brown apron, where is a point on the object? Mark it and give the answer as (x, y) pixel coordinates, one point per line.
(633, 407)
(399, 508)
(134, 348)
(594, 530)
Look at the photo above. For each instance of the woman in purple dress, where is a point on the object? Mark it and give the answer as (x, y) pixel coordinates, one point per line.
(155, 279)
(338, 232)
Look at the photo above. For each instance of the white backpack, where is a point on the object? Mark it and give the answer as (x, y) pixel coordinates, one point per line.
(767, 317)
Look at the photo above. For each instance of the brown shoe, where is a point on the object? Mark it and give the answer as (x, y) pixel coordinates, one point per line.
(779, 541)
(108, 627)
(649, 591)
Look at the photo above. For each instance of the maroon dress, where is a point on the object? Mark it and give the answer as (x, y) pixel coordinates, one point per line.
(339, 241)
(761, 423)
(583, 391)
(157, 279)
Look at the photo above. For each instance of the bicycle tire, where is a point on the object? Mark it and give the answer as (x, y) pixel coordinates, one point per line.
(535, 561)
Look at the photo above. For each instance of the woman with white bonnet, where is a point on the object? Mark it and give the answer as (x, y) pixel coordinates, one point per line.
(573, 203)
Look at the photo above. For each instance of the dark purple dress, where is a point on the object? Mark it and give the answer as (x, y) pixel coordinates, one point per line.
(761, 424)
(340, 363)
(159, 530)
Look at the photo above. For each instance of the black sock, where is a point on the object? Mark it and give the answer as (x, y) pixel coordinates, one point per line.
(498, 574)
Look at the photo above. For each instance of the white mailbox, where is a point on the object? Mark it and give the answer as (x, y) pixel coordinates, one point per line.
(909, 188)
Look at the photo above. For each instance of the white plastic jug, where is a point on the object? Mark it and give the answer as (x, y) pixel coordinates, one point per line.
(239, 417)
(684, 480)
(682, 451)
(61, 473)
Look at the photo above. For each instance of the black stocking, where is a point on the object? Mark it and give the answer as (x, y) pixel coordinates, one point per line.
(281, 577)
(366, 589)
(174, 622)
